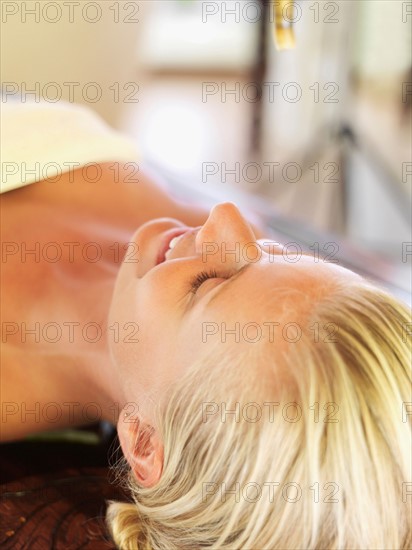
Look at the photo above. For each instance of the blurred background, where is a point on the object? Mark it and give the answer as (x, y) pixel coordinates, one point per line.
(316, 139)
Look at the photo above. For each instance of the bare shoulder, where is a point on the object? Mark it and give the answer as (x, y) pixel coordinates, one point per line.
(115, 194)
(16, 392)
(34, 396)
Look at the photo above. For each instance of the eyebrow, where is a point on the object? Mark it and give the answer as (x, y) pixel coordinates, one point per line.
(223, 287)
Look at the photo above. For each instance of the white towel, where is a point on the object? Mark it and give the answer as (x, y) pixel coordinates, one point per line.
(43, 140)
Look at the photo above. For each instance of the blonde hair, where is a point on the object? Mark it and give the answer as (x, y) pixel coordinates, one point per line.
(338, 476)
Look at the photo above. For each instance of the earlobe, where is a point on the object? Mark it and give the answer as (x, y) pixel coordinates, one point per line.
(142, 449)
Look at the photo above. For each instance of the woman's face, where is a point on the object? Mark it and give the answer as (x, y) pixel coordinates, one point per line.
(216, 286)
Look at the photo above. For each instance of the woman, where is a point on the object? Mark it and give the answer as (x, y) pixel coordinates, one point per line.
(259, 402)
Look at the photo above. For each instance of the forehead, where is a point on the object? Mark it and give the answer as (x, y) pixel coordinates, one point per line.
(268, 304)
(271, 292)
(278, 275)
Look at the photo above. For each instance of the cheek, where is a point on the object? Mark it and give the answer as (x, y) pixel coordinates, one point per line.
(139, 333)
(152, 311)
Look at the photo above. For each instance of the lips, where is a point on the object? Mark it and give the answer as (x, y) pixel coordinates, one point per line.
(164, 245)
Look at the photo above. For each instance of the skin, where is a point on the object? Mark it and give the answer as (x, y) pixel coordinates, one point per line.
(159, 318)
(163, 296)
(34, 290)
(163, 299)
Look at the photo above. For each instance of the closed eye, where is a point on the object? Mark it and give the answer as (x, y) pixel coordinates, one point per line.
(231, 278)
(202, 277)
(224, 287)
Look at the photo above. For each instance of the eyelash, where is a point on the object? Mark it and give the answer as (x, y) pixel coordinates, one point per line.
(202, 277)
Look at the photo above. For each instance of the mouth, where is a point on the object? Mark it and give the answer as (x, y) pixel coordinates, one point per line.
(166, 241)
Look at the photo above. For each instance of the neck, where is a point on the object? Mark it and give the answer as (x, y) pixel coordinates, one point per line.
(95, 376)
(101, 386)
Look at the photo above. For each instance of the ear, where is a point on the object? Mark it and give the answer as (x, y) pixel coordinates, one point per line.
(142, 449)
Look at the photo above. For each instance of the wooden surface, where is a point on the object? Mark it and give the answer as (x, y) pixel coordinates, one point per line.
(53, 495)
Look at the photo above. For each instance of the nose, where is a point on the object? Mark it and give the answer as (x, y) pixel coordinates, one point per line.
(225, 235)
